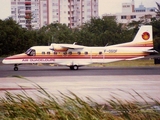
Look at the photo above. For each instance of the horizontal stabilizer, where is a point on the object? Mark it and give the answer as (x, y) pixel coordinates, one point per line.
(151, 51)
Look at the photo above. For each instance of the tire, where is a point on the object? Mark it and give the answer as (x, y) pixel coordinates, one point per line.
(15, 68)
(75, 67)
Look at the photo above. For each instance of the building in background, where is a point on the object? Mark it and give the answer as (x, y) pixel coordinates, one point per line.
(26, 13)
(130, 13)
(128, 7)
(37, 13)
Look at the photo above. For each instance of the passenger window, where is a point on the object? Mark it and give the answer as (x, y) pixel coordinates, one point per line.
(78, 53)
(55, 53)
(64, 53)
(43, 53)
(48, 53)
(70, 53)
(100, 53)
(86, 53)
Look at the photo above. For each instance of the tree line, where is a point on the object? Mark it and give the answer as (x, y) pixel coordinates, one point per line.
(97, 32)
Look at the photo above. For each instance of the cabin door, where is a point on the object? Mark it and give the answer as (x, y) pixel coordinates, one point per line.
(98, 57)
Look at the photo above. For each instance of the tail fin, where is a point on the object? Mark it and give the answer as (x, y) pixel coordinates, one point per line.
(143, 38)
(144, 34)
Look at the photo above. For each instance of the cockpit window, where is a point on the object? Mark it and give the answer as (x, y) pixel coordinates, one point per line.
(31, 52)
(28, 51)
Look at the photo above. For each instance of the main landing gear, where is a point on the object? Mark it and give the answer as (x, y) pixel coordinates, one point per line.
(15, 67)
(74, 67)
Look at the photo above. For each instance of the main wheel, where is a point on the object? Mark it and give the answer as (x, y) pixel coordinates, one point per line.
(15, 68)
(75, 67)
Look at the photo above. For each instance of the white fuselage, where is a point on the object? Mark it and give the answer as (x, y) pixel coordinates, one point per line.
(80, 57)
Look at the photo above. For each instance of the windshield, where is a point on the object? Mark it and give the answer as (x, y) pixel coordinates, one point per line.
(31, 52)
(28, 51)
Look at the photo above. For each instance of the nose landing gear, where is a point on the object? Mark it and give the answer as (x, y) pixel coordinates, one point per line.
(15, 67)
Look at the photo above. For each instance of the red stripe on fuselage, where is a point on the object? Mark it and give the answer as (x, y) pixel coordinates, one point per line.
(78, 57)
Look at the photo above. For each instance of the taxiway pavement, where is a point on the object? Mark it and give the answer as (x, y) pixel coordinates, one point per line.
(94, 82)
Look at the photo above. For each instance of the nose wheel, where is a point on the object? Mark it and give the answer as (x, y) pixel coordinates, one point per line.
(15, 67)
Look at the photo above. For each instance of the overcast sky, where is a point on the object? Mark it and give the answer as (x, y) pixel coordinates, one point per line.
(105, 6)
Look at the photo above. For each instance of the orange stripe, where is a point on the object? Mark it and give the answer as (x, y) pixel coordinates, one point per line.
(78, 57)
(141, 44)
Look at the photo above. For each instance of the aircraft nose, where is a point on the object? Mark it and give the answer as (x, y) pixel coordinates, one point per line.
(4, 61)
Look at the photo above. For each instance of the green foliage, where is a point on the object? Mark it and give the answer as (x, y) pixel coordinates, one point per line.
(158, 9)
(13, 38)
(99, 32)
(156, 34)
(71, 107)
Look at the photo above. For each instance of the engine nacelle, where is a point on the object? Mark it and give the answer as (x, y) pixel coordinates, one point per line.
(58, 48)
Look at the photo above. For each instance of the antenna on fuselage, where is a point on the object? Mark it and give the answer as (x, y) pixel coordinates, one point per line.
(75, 43)
(106, 44)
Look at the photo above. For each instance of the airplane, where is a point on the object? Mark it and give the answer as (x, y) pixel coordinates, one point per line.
(75, 56)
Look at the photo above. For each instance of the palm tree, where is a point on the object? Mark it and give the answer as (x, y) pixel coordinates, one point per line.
(158, 10)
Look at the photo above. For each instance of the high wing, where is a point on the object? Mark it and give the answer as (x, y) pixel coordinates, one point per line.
(64, 47)
(72, 46)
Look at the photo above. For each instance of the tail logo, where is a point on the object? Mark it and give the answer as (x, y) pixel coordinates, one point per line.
(145, 36)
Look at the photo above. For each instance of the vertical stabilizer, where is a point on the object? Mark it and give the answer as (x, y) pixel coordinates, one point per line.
(144, 34)
(143, 38)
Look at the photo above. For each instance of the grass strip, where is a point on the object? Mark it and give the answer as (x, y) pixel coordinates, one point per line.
(71, 107)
